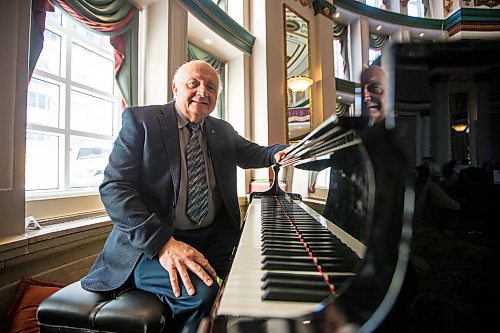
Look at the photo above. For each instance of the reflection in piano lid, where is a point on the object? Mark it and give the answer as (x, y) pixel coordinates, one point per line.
(296, 270)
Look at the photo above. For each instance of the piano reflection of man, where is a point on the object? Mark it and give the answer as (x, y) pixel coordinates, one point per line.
(373, 85)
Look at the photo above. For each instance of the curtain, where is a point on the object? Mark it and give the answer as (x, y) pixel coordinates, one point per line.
(115, 18)
(342, 109)
(195, 53)
(37, 27)
(340, 32)
(377, 41)
(427, 7)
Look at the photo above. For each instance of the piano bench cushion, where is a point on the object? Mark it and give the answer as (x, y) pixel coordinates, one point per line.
(73, 309)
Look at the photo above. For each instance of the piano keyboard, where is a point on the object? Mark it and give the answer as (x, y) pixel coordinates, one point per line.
(272, 274)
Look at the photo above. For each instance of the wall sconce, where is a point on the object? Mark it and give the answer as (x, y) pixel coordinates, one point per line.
(459, 127)
(299, 83)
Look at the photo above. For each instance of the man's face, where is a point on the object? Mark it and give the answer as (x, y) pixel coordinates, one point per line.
(196, 90)
(373, 85)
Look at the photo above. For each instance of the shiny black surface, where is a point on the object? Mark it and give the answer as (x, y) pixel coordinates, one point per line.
(369, 196)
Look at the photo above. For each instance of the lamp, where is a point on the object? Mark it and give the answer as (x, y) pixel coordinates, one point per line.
(459, 127)
(299, 83)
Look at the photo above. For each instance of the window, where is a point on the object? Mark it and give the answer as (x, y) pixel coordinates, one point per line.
(373, 54)
(72, 113)
(221, 3)
(341, 51)
(339, 61)
(375, 3)
(415, 8)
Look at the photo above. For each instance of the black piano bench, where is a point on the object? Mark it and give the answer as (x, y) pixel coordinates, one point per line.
(73, 309)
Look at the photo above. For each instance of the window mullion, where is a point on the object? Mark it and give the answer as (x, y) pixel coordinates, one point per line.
(67, 108)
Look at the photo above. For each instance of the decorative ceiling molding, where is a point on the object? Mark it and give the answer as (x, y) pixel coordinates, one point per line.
(305, 3)
(324, 7)
(386, 15)
(464, 19)
(345, 86)
(472, 19)
(218, 20)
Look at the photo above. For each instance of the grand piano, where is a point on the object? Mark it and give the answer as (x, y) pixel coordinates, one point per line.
(340, 270)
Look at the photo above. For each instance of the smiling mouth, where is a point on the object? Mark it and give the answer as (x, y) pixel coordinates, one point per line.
(371, 105)
(200, 102)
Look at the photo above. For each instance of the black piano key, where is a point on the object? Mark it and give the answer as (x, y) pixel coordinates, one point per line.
(289, 266)
(288, 234)
(299, 284)
(294, 284)
(313, 247)
(282, 252)
(295, 295)
(303, 258)
(288, 276)
(292, 237)
(328, 265)
(293, 250)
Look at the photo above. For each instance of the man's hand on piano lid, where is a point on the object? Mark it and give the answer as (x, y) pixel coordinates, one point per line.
(177, 258)
(279, 155)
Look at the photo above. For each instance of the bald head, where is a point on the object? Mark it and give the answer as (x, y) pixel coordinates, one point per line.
(373, 85)
(182, 68)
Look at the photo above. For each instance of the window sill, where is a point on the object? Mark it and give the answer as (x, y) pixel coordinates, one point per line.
(52, 208)
(34, 244)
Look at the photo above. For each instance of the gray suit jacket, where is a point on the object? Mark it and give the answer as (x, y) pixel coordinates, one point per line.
(141, 185)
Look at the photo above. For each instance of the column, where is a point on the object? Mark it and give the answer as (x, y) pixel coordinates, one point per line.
(268, 108)
(165, 48)
(14, 27)
(322, 68)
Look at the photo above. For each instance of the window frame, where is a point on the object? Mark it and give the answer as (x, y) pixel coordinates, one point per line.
(416, 4)
(41, 203)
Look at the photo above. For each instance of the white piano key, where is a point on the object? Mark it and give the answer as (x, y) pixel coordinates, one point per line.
(242, 290)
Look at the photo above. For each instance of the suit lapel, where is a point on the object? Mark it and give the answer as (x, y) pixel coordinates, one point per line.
(170, 134)
(213, 144)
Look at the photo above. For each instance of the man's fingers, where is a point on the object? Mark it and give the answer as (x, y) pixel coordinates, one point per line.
(186, 280)
(178, 258)
(207, 267)
(173, 281)
(201, 273)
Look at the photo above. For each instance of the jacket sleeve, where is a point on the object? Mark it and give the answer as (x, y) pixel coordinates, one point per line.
(252, 155)
(120, 191)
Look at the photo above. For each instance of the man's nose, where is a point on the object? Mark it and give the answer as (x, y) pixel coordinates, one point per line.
(366, 93)
(202, 91)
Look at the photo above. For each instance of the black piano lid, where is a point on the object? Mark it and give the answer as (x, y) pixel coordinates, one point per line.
(369, 172)
(373, 154)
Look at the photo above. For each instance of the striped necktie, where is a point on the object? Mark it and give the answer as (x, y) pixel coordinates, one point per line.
(197, 196)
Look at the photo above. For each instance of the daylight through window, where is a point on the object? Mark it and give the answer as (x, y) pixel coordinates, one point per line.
(72, 113)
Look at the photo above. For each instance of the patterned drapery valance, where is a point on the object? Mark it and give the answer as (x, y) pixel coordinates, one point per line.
(342, 109)
(377, 41)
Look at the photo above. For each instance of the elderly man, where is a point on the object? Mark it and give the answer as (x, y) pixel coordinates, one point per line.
(373, 85)
(170, 190)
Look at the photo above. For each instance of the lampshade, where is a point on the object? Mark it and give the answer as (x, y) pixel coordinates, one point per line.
(299, 83)
(459, 127)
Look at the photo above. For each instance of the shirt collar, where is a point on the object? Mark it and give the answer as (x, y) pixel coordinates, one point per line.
(182, 121)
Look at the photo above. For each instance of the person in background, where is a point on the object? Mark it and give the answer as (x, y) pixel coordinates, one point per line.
(434, 168)
(449, 174)
(170, 191)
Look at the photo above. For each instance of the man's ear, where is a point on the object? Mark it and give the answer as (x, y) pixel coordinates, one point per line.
(174, 89)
